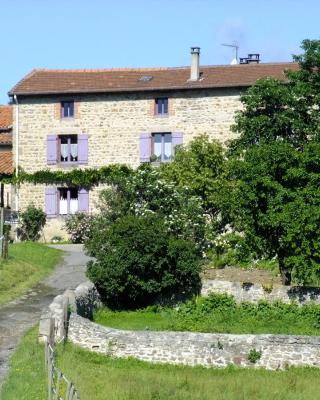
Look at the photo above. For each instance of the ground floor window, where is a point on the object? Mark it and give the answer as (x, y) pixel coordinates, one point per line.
(68, 201)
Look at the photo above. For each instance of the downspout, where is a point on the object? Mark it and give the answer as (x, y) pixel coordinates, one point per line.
(17, 151)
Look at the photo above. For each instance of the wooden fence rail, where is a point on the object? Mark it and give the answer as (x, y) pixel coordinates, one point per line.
(59, 386)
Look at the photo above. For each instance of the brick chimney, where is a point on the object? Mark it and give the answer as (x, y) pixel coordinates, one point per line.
(195, 57)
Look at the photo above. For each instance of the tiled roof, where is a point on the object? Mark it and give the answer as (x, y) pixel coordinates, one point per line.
(6, 166)
(45, 81)
(5, 117)
(5, 138)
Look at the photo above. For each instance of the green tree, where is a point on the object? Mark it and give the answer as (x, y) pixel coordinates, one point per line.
(273, 195)
(275, 201)
(283, 111)
(199, 166)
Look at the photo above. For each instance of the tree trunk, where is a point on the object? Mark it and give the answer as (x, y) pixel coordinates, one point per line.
(284, 271)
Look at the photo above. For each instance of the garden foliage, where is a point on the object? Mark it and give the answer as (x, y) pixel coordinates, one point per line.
(79, 226)
(139, 260)
(33, 220)
(273, 194)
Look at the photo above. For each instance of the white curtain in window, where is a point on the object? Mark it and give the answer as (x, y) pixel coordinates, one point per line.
(74, 150)
(157, 145)
(63, 206)
(73, 206)
(167, 146)
(64, 151)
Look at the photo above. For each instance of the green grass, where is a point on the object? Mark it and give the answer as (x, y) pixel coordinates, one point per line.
(27, 376)
(219, 313)
(98, 377)
(28, 264)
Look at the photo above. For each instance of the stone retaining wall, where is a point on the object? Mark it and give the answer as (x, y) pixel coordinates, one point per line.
(68, 316)
(210, 350)
(254, 292)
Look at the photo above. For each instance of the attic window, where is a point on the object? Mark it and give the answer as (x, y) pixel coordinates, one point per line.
(145, 78)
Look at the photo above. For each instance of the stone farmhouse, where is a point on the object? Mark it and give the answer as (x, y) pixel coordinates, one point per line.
(66, 119)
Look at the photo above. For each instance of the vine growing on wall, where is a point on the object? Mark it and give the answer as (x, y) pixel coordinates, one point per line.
(77, 177)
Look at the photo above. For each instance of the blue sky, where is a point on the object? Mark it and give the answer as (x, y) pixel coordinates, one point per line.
(146, 33)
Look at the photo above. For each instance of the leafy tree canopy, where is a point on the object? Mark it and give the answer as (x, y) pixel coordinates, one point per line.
(273, 195)
(283, 111)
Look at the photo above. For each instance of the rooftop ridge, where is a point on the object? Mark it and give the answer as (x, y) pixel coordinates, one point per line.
(150, 69)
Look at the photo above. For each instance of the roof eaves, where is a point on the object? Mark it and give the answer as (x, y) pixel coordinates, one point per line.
(125, 90)
(12, 91)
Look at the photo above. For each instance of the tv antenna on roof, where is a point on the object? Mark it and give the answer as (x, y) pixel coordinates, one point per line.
(234, 46)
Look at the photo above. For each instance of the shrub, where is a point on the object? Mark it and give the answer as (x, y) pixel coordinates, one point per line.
(254, 356)
(138, 260)
(146, 191)
(79, 226)
(32, 222)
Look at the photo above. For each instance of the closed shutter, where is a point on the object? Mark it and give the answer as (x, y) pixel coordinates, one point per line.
(83, 199)
(145, 147)
(177, 139)
(51, 202)
(52, 149)
(83, 149)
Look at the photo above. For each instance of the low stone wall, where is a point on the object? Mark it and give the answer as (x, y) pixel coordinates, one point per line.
(211, 350)
(82, 300)
(68, 316)
(254, 292)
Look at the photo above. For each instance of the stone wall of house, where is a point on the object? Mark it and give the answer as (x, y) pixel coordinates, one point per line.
(113, 123)
(246, 291)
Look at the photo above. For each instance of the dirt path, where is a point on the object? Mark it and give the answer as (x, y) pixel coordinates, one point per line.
(241, 275)
(19, 315)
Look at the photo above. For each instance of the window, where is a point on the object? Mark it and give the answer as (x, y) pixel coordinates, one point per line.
(162, 147)
(161, 106)
(67, 201)
(67, 109)
(68, 147)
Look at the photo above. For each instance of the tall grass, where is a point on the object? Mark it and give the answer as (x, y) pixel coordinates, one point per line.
(219, 313)
(28, 263)
(98, 377)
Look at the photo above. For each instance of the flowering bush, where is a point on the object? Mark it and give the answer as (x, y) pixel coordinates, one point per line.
(79, 226)
(147, 192)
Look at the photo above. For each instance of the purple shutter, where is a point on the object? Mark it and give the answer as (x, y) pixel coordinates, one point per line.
(83, 200)
(145, 147)
(52, 149)
(177, 139)
(83, 149)
(51, 202)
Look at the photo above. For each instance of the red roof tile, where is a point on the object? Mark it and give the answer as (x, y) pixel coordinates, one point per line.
(5, 117)
(43, 81)
(6, 165)
(5, 138)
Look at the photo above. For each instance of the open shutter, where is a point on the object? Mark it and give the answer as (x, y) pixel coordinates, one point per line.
(177, 139)
(145, 147)
(52, 149)
(51, 202)
(83, 149)
(83, 199)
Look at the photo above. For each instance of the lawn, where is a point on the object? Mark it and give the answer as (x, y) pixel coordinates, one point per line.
(98, 377)
(219, 313)
(28, 264)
